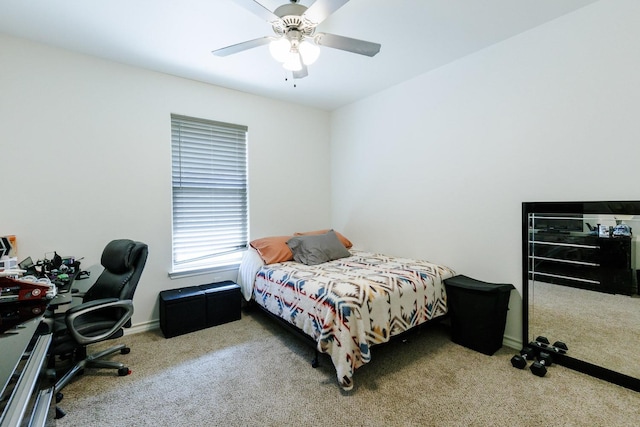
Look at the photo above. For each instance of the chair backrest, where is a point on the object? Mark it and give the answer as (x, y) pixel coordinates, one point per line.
(123, 261)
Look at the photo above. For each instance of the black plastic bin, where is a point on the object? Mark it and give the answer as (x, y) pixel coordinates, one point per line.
(478, 312)
(224, 301)
(182, 311)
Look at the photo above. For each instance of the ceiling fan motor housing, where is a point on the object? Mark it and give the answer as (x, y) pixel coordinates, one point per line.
(291, 19)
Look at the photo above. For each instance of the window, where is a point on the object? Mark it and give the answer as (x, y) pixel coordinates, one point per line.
(209, 176)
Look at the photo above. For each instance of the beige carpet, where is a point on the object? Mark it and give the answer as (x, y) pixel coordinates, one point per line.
(600, 328)
(252, 372)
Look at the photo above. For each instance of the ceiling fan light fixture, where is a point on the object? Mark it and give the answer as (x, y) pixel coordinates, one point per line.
(293, 63)
(309, 52)
(296, 45)
(280, 49)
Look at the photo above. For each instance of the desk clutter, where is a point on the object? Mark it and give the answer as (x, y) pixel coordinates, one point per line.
(61, 271)
(57, 272)
(193, 308)
(26, 288)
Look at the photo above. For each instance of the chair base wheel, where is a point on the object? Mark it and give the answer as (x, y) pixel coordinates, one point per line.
(124, 371)
(59, 413)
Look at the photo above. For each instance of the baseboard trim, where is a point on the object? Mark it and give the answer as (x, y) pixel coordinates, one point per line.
(511, 342)
(142, 327)
(151, 325)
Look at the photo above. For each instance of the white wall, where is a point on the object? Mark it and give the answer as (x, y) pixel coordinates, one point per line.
(435, 168)
(438, 167)
(85, 151)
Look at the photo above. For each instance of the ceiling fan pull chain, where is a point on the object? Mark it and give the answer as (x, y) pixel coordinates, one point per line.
(293, 77)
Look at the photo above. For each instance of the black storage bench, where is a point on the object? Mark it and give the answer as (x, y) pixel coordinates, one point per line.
(182, 311)
(478, 312)
(223, 300)
(193, 308)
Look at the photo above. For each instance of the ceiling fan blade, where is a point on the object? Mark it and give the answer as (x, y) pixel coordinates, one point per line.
(345, 43)
(303, 72)
(321, 9)
(235, 48)
(258, 9)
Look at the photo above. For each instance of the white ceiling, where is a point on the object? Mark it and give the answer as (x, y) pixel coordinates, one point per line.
(177, 37)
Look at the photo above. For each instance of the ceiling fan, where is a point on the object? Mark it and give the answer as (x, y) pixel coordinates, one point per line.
(296, 43)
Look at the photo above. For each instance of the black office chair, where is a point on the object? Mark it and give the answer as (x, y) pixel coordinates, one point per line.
(106, 309)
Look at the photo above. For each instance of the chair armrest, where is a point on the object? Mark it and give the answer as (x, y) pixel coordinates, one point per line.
(96, 305)
(89, 305)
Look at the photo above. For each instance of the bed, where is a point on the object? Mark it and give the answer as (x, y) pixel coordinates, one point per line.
(349, 304)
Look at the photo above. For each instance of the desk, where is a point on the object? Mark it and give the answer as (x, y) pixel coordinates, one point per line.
(61, 299)
(25, 396)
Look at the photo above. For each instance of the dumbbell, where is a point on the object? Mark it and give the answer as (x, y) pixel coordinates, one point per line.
(540, 343)
(560, 347)
(539, 367)
(520, 360)
(543, 341)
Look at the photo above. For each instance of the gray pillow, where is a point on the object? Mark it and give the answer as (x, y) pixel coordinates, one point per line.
(318, 248)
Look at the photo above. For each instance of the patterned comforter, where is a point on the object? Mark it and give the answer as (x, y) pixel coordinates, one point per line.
(350, 304)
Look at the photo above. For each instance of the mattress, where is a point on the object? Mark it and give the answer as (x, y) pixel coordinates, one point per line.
(350, 304)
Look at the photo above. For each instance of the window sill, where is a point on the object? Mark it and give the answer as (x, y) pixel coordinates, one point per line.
(204, 270)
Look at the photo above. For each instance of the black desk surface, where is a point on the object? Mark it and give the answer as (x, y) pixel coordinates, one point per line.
(12, 346)
(14, 343)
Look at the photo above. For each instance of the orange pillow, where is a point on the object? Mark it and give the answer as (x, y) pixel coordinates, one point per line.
(346, 242)
(273, 249)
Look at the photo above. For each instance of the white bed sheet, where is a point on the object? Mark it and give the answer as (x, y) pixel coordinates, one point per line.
(249, 267)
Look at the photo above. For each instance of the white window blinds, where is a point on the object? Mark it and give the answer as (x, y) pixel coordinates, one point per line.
(209, 170)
